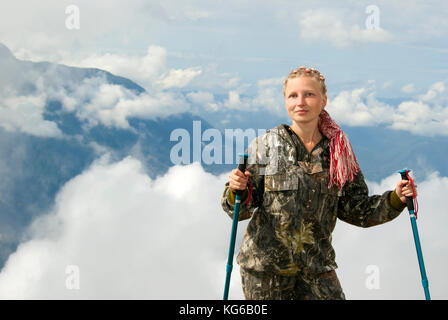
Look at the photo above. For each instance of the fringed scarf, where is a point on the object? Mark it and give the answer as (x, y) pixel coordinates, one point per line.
(343, 163)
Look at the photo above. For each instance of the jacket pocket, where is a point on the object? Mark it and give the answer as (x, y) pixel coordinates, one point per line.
(280, 193)
(281, 182)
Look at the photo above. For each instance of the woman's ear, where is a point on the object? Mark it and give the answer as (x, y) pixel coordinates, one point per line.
(324, 103)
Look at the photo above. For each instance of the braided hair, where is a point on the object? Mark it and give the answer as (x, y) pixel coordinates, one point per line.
(306, 72)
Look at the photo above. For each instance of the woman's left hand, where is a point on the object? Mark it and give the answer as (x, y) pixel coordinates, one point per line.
(404, 190)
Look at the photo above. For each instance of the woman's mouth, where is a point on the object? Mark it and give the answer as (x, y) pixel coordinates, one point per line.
(301, 112)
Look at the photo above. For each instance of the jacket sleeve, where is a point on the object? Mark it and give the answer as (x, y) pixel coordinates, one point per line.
(356, 207)
(256, 166)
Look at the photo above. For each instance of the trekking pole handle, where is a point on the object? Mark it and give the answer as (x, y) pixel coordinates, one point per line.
(409, 200)
(242, 167)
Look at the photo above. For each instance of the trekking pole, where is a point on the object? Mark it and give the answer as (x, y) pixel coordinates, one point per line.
(236, 210)
(410, 204)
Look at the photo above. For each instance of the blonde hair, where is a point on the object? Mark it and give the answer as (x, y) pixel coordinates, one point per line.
(306, 72)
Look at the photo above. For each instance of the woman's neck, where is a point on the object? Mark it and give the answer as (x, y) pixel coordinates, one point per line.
(309, 133)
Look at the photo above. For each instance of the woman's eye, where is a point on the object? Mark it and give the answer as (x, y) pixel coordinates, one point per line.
(307, 94)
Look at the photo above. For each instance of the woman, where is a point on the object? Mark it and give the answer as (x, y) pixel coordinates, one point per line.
(302, 178)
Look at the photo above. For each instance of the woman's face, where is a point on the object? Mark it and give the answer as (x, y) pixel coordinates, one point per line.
(304, 99)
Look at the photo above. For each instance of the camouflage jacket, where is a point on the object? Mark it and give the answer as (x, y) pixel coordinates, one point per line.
(292, 210)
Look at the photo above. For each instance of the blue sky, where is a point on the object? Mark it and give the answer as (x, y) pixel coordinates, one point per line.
(219, 59)
(251, 40)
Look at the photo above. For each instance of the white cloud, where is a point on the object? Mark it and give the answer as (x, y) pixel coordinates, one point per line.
(409, 88)
(435, 92)
(387, 84)
(338, 27)
(201, 97)
(142, 69)
(137, 238)
(358, 108)
(24, 113)
(204, 99)
(428, 115)
(270, 95)
(149, 70)
(178, 78)
(270, 82)
(234, 101)
(95, 101)
(130, 236)
(391, 248)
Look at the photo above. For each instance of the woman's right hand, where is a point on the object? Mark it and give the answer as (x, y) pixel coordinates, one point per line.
(238, 180)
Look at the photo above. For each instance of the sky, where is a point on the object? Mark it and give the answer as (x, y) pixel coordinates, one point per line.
(384, 63)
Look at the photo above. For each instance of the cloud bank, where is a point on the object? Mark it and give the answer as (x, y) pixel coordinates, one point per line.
(116, 234)
(426, 114)
(129, 236)
(93, 100)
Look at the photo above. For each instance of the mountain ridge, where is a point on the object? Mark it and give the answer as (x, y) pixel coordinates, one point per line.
(34, 168)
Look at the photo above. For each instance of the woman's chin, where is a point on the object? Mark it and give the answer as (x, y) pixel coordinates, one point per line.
(300, 119)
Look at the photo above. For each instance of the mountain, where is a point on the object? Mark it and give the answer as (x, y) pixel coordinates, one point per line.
(22, 75)
(383, 151)
(5, 53)
(33, 168)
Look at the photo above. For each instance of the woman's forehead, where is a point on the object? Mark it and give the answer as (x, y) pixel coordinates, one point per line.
(302, 83)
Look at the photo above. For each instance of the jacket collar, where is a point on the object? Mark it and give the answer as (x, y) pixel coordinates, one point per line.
(284, 131)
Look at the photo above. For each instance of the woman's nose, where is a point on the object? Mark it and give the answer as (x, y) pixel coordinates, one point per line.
(300, 99)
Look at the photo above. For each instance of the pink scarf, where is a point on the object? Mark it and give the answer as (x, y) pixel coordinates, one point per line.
(343, 164)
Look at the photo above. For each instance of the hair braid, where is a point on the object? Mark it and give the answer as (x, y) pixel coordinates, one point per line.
(306, 72)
